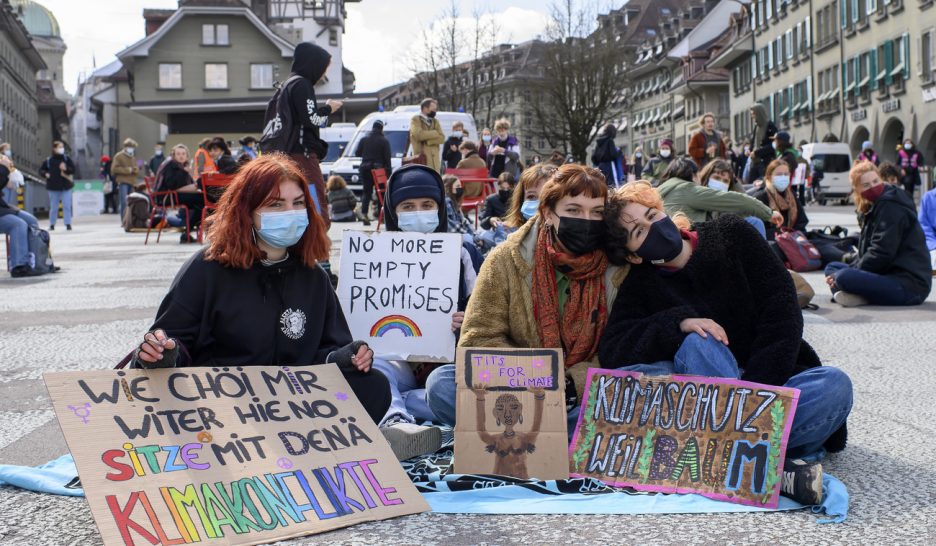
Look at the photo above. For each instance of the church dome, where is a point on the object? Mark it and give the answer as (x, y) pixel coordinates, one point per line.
(38, 20)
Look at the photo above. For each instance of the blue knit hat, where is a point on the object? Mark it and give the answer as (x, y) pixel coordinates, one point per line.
(414, 182)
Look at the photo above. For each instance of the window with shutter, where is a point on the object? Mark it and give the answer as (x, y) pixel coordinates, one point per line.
(873, 68)
(905, 55)
(807, 35)
(855, 4)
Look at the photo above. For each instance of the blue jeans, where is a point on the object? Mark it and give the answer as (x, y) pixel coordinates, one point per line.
(758, 225)
(9, 195)
(825, 393)
(124, 190)
(17, 227)
(877, 289)
(408, 400)
(65, 198)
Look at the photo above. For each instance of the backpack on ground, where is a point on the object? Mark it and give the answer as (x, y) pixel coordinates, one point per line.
(801, 255)
(40, 256)
(137, 212)
(804, 291)
(278, 124)
(833, 243)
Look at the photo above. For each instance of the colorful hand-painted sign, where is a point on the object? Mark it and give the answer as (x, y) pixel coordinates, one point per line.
(722, 438)
(246, 455)
(511, 413)
(399, 291)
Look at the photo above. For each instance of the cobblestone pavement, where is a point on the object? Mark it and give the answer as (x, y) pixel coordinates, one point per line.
(92, 313)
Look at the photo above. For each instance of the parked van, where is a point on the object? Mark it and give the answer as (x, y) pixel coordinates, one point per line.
(834, 161)
(396, 129)
(337, 136)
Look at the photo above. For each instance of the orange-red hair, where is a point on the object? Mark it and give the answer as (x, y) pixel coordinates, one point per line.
(858, 170)
(572, 179)
(231, 241)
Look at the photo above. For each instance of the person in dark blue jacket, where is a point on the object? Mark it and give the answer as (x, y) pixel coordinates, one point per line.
(893, 265)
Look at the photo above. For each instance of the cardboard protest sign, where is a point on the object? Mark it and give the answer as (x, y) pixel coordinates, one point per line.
(511, 413)
(244, 455)
(399, 290)
(722, 438)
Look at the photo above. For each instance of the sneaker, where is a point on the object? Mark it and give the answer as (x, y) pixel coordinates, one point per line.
(24, 271)
(366, 221)
(52, 228)
(802, 482)
(408, 440)
(847, 299)
(186, 239)
(68, 227)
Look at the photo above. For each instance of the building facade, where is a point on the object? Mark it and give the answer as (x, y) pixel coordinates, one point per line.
(497, 85)
(845, 70)
(19, 109)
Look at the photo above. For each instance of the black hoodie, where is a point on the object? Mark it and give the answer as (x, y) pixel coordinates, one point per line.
(284, 314)
(892, 242)
(310, 62)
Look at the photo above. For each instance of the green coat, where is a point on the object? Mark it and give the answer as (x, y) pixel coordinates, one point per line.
(697, 202)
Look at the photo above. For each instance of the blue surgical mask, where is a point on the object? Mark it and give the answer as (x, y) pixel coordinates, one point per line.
(8, 152)
(421, 221)
(283, 229)
(486, 138)
(529, 208)
(781, 182)
(717, 185)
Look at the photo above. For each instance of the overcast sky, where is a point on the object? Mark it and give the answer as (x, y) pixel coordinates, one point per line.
(378, 35)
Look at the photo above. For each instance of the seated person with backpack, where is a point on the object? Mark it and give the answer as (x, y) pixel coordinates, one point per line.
(343, 202)
(778, 195)
(16, 223)
(716, 302)
(893, 265)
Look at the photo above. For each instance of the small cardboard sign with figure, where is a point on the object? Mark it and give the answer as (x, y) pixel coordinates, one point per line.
(511, 416)
(721, 438)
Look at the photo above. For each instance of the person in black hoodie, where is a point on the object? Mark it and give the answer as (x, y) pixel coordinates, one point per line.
(607, 156)
(717, 302)
(415, 202)
(265, 242)
(374, 151)
(451, 154)
(893, 265)
(310, 62)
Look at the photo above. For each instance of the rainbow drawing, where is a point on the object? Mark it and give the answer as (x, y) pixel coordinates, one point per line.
(395, 322)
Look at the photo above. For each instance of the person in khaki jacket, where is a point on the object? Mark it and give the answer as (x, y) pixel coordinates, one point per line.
(555, 259)
(425, 134)
(124, 169)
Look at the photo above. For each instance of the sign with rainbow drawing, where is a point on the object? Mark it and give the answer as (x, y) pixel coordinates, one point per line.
(234, 455)
(399, 290)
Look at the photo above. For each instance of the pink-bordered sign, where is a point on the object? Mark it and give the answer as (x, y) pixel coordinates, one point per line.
(664, 434)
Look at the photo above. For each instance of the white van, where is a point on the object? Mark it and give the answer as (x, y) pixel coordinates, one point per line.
(834, 160)
(396, 129)
(337, 136)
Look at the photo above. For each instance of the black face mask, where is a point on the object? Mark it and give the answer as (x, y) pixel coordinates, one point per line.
(580, 236)
(458, 192)
(663, 243)
(431, 115)
(504, 195)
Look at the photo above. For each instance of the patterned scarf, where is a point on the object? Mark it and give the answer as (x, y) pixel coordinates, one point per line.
(783, 203)
(578, 329)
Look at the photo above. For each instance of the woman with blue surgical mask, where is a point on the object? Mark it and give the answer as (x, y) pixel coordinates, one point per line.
(255, 295)
(778, 195)
(524, 203)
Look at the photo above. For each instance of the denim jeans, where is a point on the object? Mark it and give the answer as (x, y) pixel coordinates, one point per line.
(17, 227)
(825, 393)
(124, 190)
(407, 399)
(65, 198)
(758, 225)
(877, 289)
(9, 195)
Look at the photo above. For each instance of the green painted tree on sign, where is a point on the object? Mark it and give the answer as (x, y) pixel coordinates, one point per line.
(777, 416)
(646, 454)
(581, 454)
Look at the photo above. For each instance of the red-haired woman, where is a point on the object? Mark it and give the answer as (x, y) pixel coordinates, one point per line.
(893, 265)
(548, 285)
(256, 294)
